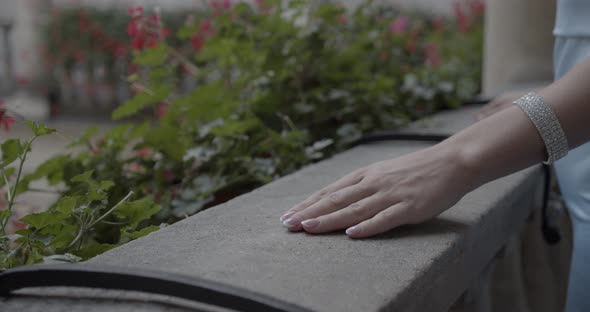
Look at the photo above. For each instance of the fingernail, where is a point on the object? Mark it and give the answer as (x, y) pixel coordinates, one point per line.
(310, 223)
(353, 230)
(286, 215)
(292, 221)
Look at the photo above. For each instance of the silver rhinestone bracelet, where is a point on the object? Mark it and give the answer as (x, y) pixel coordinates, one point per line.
(546, 123)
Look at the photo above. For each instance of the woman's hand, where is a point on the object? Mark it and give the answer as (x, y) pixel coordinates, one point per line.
(377, 198)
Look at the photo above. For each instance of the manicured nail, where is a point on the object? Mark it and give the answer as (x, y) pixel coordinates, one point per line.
(292, 221)
(286, 215)
(310, 223)
(353, 230)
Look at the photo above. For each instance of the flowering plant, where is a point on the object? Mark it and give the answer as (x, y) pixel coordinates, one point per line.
(272, 87)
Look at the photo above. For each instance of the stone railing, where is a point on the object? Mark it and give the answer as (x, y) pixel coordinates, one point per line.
(424, 267)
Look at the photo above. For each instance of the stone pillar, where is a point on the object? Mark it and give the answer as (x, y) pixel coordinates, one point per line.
(25, 44)
(518, 44)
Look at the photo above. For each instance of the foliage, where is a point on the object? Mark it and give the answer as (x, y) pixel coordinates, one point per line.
(277, 85)
(82, 223)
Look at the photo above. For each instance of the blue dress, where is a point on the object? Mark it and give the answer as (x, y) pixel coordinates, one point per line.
(572, 46)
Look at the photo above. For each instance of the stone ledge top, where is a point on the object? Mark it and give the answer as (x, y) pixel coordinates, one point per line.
(413, 268)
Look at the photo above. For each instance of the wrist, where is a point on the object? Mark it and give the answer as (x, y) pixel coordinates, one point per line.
(467, 160)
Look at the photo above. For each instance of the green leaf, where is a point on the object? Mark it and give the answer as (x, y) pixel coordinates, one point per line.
(39, 129)
(98, 191)
(8, 172)
(136, 211)
(133, 78)
(53, 169)
(66, 204)
(11, 150)
(106, 185)
(63, 237)
(43, 219)
(152, 57)
(137, 234)
(91, 249)
(141, 100)
(4, 214)
(233, 127)
(86, 135)
(84, 177)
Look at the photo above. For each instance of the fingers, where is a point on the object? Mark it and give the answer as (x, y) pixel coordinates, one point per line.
(384, 221)
(328, 204)
(354, 213)
(348, 180)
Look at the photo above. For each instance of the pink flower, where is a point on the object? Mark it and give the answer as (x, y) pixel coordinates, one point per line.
(214, 4)
(135, 11)
(263, 7)
(430, 48)
(168, 175)
(399, 25)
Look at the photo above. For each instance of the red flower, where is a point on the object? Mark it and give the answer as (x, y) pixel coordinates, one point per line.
(342, 20)
(145, 31)
(463, 20)
(162, 110)
(5, 121)
(433, 57)
(438, 23)
(205, 26)
(144, 152)
(165, 32)
(197, 42)
(477, 7)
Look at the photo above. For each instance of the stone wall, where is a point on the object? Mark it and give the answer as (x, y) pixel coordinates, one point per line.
(425, 267)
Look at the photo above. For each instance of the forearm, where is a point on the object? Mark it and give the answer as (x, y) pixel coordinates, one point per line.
(508, 141)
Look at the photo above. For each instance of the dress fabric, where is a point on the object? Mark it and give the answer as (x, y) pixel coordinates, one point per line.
(572, 46)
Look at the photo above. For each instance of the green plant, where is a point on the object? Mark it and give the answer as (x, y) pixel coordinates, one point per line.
(277, 86)
(79, 225)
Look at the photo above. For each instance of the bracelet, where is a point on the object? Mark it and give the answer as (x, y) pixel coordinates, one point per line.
(546, 123)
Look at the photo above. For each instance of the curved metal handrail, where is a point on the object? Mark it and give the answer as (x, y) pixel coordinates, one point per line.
(142, 280)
